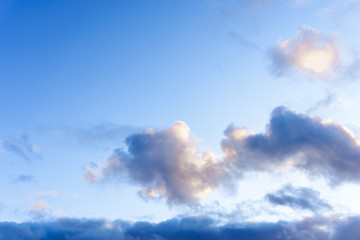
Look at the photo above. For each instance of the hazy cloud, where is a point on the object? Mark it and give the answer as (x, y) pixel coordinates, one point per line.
(337, 9)
(165, 163)
(298, 198)
(319, 228)
(309, 51)
(102, 134)
(22, 147)
(25, 178)
(39, 209)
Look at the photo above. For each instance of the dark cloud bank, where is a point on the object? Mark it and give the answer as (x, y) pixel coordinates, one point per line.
(166, 163)
(316, 228)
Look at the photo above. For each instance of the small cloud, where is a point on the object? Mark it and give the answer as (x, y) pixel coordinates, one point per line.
(39, 209)
(309, 51)
(336, 9)
(300, 198)
(329, 99)
(47, 194)
(22, 147)
(25, 178)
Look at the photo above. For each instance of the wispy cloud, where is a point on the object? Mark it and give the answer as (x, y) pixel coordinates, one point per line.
(24, 178)
(336, 9)
(329, 99)
(21, 146)
(298, 198)
(165, 163)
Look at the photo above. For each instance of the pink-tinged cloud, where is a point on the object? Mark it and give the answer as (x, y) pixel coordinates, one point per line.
(166, 164)
(309, 51)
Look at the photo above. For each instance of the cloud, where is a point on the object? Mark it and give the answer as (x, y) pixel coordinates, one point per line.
(336, 9)
(39, 209)
(295, 141)
(165, 163)
(22, 147)
(309, 51)
(319, 228)
(47, 194)
(100, 135)
(300, 198)
(25, 178)
(329, 99)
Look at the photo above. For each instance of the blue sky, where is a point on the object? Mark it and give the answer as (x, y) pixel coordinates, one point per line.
(193, 116)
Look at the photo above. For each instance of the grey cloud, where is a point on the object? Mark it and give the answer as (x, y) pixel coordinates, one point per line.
(319, 228)
(300, 198)
(165, 163)
(22, 146)
(295, 141)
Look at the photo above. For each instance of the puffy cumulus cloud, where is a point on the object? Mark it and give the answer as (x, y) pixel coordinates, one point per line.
(165, 163)
(319, 228)
(298, 198)
(295, 141)
(309, 51)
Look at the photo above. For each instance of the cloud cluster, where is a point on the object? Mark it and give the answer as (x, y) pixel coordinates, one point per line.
(298, 198)
(309, 51)
(166, 164)
(295, 141)
(319, 228)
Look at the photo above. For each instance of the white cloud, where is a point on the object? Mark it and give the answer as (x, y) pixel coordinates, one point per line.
(309, 51)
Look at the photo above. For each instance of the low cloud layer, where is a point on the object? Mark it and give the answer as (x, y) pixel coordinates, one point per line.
(309, 51)
(165, 163)
(300, 198)
(319, 228)
(295, 141)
